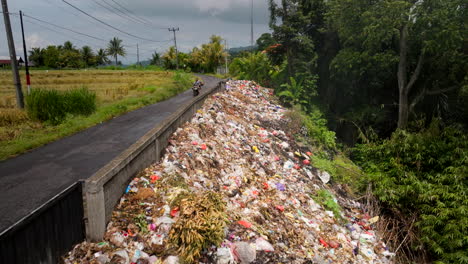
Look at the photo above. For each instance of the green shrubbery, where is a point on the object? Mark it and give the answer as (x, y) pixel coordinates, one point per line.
(425, 173)
(80, 101)
(53, 106)
(328, 201)
(183, 80)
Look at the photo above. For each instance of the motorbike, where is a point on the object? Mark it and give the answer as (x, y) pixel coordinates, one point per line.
(196, 89)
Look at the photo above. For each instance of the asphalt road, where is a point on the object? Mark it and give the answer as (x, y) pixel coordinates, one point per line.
(31, 179)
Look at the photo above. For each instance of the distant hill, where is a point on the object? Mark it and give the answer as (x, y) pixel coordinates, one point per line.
(235, 51)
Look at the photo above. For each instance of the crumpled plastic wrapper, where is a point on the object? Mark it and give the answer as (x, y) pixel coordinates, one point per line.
(236, 146)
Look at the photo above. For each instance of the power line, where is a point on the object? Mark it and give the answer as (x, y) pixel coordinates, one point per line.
(145, 21)
(119, 5)
(102, 22)
(112, 11)
(61, 33)
(71, 30)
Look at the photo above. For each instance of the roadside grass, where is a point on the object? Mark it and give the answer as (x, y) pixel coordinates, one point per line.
(19, 133)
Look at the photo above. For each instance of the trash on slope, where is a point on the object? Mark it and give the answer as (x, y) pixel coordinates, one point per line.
(233, 187)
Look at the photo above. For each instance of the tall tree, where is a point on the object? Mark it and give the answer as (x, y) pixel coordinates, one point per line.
(51, 56)
(87, 55)
(264, 41)
(169, 58)
(290, 23)
(213, 52)
(68, 45)
(115, 48)
(155, 59)
(101, 57)
(405, 32)
(36, 55)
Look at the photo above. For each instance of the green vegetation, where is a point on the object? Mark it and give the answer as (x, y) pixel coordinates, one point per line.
(125, 92)
(328, 201)
(425, 173)
(141, 222)
(115, 48)
(205, 59)
(53, 105)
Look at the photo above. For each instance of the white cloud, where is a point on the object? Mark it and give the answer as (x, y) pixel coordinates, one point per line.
(218, 5)
(34, 40)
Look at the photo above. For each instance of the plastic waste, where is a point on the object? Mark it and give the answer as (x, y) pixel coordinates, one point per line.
(117, 239)
(262, 245)
(324, 176)
(171, 260)
(224, 256)
(239, 146)
(244, 252)
(121, 256)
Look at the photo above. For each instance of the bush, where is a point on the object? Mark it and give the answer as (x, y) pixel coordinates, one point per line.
(52, 105)
(183, 80)
(425, 173)
(315, 126)
(80, 101)
(328, 201)
(46, 105)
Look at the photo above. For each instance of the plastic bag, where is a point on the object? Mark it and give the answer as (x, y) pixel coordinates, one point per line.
(263, 245)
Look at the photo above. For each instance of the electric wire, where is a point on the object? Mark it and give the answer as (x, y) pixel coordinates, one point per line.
(113, 12)
(145, 21)
(71, 30)
(104, 23)
(60, 33)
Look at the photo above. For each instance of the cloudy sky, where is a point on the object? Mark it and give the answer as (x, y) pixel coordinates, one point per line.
(197, 20)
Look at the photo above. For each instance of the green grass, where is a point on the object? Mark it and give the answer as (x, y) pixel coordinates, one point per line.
(327, 200)
(27, 134)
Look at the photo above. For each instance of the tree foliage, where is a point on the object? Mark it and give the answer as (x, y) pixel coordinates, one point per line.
(377, 66)
(254, 66)
(206, 58)
(115, 48)
(67, 56)
(406, 46)
(425, 173)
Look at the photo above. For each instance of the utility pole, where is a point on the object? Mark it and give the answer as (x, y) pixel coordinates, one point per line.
(138, 55)
(11, 46)
(251, 26)
(175, 43)
(28, 78)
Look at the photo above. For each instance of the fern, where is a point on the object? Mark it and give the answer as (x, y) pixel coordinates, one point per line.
(425, 173)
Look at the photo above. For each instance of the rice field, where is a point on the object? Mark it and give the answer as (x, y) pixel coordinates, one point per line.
(118, 91)
(109, 85)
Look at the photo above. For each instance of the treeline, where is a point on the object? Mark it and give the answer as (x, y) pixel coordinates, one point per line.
(206, 58)
(392, 76)
(69, 56)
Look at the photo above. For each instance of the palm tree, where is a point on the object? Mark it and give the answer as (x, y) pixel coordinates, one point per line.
(115, 48)
(155, 59)
(102, 57)
(213, 53)
(68, 45)
(169, 58)
(87, 54)
(36, 55)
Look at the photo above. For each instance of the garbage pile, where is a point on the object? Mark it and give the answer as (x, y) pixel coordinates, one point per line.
(233, 187)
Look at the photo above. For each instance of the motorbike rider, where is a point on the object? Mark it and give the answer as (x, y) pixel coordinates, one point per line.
(197, 86)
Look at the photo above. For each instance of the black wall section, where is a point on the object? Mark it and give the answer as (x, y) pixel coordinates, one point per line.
(47, 233)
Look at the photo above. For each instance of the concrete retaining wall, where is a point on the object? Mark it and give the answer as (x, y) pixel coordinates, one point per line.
(103, 190)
